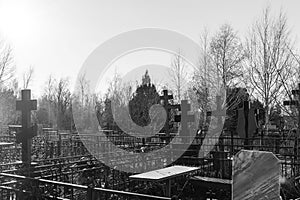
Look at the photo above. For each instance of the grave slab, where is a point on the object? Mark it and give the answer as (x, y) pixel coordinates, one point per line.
(255, 176)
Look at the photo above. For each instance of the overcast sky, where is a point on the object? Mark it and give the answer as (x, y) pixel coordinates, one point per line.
(56, 36)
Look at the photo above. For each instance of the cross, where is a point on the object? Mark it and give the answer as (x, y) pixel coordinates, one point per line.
(219, 112)
(185, 119)
(26, 105)
(165, 97)
(246, 113)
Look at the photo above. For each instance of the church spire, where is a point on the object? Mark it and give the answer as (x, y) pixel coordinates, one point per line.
(146, 79)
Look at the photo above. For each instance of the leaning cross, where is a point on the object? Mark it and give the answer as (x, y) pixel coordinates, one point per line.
(26, 105)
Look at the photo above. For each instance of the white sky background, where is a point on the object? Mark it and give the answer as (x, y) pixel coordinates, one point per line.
(133, 66)
(56, 36)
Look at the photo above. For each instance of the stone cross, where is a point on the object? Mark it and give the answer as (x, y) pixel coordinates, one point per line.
(26, 105)
(185, 119)
(219, 112)
(165, 97)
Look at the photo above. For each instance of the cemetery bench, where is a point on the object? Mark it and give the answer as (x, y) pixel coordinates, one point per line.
(166, 174)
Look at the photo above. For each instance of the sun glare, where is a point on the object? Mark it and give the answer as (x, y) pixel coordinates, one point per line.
(16, 21)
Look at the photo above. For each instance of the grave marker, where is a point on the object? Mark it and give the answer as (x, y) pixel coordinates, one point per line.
(247, 124)
(166, 97)
(255, 175)
(185, 119)
(219, 113)
(26, 105)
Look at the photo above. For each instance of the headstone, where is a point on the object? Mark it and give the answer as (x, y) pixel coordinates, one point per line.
(246, 125)
(255, 176)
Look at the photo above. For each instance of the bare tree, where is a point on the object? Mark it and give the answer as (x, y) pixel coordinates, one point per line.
(7, 67)
(49, 89)
(202, 84)
(56, 100)
(269, 59)
(86, 104)
(120, 90)
(27, 77)
(62, 102)
(46, 102)
(220, 66)
(178, 74)
(227, 56)
(83, 90)
(55, 103)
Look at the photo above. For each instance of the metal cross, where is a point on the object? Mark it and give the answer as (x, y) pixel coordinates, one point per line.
(26, 105)
(165, 97)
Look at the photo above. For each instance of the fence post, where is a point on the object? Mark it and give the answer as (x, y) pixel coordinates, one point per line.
(51, 149)
(59, 145)
(90, 193)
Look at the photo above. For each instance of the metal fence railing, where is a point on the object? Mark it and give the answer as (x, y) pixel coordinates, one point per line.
(66, 149)
(12, 188)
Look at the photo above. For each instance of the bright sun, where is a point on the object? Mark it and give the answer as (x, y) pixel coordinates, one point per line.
(16, 21)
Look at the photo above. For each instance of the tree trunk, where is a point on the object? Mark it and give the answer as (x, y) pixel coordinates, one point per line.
(267, 119)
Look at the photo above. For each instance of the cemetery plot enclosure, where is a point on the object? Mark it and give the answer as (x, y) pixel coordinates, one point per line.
(78, 167)
(59, 164)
